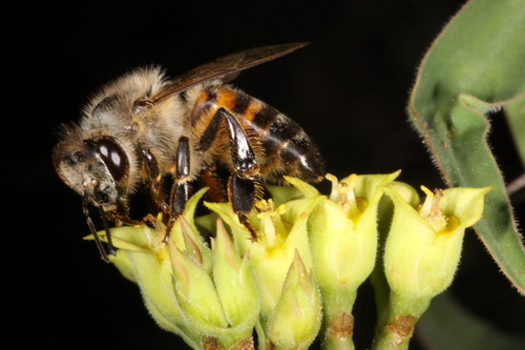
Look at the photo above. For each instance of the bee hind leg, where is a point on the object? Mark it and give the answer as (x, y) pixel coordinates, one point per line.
(241, 186)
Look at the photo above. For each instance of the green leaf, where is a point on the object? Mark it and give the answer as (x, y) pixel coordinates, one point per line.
(473, 67)
(515, 112)
(447, 325)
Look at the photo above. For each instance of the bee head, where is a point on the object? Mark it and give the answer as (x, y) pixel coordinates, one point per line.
(98, 168)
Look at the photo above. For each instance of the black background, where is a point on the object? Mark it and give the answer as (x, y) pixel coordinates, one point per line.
(348, 89)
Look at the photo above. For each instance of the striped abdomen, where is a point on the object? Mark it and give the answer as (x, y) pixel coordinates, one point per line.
(282, 147)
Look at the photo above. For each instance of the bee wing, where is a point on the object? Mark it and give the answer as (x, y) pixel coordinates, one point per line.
(226, 68)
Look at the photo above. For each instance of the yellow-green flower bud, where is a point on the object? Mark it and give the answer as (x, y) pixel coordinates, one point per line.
(297, 315)
(235, 284)
(422, 252)
(343, 236)
(201, 303)
(195, 292)
(280, 231)
(343, 231)
(187, 238)
(142, 258)
(424, 245)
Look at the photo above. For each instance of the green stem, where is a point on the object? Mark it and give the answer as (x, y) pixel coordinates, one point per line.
(338, 321)
(402, 317)
(261, 336)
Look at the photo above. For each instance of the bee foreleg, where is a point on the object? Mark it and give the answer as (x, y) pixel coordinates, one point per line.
(93, 230)
(180, 191)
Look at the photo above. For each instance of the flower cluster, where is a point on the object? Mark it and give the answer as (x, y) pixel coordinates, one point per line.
(299, 279)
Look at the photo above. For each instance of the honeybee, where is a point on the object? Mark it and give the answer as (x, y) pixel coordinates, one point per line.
(143, 126)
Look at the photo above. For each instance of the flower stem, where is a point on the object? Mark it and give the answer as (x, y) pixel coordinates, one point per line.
(337, 332)
(338, 321)
(403, 314)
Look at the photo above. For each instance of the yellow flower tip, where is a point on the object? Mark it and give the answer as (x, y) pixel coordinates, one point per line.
(352, 179)
(306, 189)
(331, 177)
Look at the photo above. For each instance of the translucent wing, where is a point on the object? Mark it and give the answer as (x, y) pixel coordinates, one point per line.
(225, 67)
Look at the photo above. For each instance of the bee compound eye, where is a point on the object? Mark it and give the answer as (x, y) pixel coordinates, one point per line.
(114, 158)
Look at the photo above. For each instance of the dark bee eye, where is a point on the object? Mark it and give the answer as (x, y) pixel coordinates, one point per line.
(114, 158)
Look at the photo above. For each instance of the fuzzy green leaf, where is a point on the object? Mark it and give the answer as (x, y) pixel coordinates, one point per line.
(473, 67)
